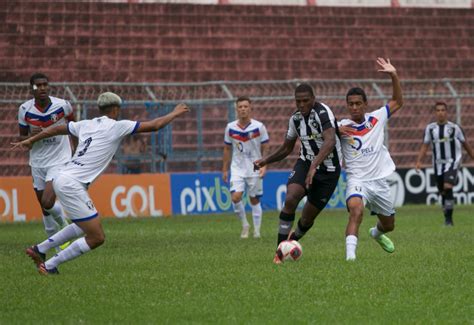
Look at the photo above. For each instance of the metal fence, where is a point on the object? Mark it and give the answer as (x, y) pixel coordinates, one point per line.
(194, 143)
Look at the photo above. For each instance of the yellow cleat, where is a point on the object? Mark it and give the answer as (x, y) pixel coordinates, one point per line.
(65, 245)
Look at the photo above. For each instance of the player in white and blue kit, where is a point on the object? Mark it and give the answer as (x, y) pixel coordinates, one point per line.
(368, 163)
(248, 140)
(49, 155)
(99, 139)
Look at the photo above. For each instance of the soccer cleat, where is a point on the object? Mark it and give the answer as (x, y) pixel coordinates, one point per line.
(245, 232)
(44, 271)
(384, 242)
(256, 234)
(277, 259)
(65, 245)
(36, 255)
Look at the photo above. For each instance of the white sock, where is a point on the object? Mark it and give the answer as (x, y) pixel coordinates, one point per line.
(57, 212)
(78, 247)
(351, 245)
(257, 216)
(50, 226)
(67, 233)
(239, 209)
(375, 232)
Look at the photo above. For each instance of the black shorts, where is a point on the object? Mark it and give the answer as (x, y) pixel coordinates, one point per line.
(450, 177)
(324, 183)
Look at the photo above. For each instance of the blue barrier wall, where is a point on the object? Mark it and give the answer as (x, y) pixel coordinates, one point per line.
(206, 193)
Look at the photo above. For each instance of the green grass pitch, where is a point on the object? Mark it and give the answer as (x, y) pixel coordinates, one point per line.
(196, 269)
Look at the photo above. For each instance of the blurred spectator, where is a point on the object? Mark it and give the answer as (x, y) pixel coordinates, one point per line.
(133, 150)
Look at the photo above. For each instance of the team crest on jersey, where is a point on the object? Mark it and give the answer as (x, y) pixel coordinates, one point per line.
(450, 131)
(368, 125)
(297, 117)
(54, 117)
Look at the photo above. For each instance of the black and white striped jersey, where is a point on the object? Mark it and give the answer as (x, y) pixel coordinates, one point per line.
(310, 132)
(446, 140)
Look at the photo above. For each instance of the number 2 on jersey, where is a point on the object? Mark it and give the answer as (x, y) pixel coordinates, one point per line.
(87, 143)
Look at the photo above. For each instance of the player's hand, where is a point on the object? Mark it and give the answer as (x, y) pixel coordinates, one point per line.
(417, 167)
(345, 130)
(225, 176)
(22, 144)
(309, 177)
(386, 66)
(259, 164)
(181, 108)
(262, 171)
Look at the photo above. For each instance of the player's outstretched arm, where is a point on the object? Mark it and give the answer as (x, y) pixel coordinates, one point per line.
(421, 155)
(46, 133)
(397, 98)
(283, 151)
(160, 122)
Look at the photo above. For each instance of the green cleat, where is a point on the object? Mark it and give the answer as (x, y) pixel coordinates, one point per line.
(384, 242)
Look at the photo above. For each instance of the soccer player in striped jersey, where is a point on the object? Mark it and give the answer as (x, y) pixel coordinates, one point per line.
(248, 139)
(48, 156)
(317, 169)
(447, 139)
(99, 139)
(368, 163)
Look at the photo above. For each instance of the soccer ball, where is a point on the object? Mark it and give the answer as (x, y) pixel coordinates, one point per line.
(289, 250)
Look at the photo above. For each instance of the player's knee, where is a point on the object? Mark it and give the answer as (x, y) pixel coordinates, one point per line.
(96, 240)
(291, 201)
(236, 197)
(254, 200)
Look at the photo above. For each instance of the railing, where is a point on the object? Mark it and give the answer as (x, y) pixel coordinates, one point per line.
(213, 103)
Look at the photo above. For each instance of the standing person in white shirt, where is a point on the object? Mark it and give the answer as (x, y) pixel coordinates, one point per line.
(49, 155)
(99, 139)
(248, 140)
(368, 163)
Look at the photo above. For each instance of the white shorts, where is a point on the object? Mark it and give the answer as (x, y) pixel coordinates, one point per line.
(375, 194)
(43, 175)
(74, 198)
(253, 185)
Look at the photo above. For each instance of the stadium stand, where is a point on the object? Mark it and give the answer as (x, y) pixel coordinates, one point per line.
(84, 42)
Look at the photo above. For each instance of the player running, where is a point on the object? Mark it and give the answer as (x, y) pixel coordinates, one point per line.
(368, 163)
(99, 139)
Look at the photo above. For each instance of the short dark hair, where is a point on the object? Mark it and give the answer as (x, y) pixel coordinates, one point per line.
(356, 91)
(304, 88)
(440, 103)
(36, 76)
(242, 99)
